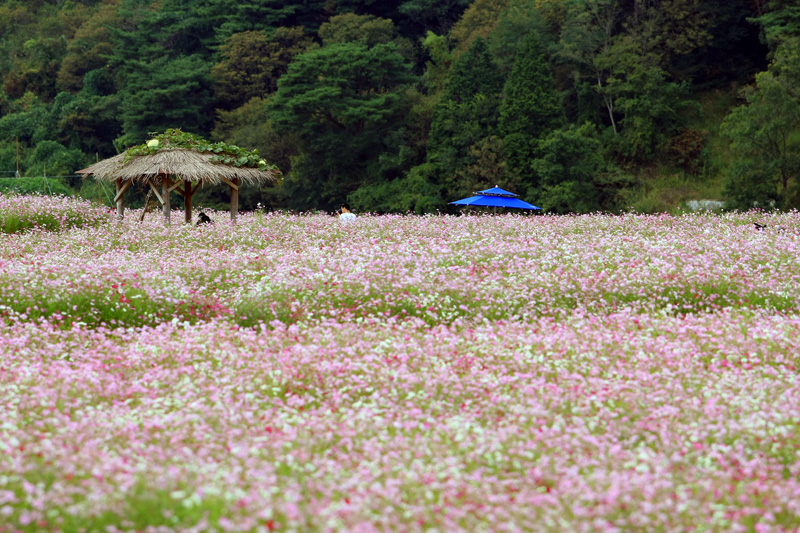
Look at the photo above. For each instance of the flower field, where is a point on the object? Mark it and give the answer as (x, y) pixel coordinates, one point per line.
(478, 373)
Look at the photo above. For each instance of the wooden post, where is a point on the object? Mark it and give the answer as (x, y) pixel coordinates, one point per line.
(99, 196)
(187, 201)
(146, 203)
(120, 199)
(234, 199)
(165, 183)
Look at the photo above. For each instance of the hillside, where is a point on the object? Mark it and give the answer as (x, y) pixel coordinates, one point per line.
(398, 106)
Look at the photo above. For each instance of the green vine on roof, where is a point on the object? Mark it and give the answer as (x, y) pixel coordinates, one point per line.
(227, 154)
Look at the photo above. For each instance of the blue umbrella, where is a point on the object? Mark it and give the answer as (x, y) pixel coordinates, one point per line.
(495, 197)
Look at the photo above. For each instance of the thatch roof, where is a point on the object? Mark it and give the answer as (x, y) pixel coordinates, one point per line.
(179, 163)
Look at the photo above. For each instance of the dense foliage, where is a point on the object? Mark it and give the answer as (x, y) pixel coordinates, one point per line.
(402, 105)
(224, 153)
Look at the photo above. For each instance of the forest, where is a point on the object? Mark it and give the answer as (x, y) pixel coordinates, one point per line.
(405, 105)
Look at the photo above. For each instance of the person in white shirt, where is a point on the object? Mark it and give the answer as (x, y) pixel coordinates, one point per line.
(345, 214)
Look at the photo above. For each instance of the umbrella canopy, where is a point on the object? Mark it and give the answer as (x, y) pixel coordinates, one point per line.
(495, 197)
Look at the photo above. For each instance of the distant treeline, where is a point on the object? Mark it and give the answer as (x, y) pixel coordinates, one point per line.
(392, 105)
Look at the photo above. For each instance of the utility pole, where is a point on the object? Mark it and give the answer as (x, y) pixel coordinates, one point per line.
(17, 156)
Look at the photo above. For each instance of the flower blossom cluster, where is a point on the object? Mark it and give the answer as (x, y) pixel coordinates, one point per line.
(289, 373)
(23, 213)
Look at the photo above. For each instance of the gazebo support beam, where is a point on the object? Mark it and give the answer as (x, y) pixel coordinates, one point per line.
(233, 184)
(146, 203)
(165, 183)
(155, 191)
(234, 198)
(119, 198)
(121, 191)
(187, 201)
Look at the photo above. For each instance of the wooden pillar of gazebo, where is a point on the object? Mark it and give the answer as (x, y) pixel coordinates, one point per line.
(154, 189)
(167, 186)
(187, 192)
(187, 201)
(234, 199)
(165, 190)
(119, 197)
(234, 185)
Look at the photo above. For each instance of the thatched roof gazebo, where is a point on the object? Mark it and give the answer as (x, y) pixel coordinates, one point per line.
(182, 162)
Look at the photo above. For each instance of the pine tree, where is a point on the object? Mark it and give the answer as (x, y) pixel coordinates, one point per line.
(531, 106)
(530, 110)
(467, 111)
(465, 116)
(343, 101)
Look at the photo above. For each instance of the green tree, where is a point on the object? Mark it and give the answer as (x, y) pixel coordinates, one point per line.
(667, 29)
(25, 120)
(413, 193)
(88, 50)
(486, 166)
(514, 24)
(352, 28)
(55, 159)
(765, 135)
(252, 62)
(479, 20)
(734, 51)
(465, 115)
(438, 64)
(650, 107)
(419, 16)
(35, 67)
(413, 18)
(227, 18)
(166, 93)
(531, 107)
(93, 116)
(33, 42)
(780, 22)
(619, 54)
(571, 174)
(251, 125)
(343, 101)
(161, 65)
(585, 45)
(399, 181)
